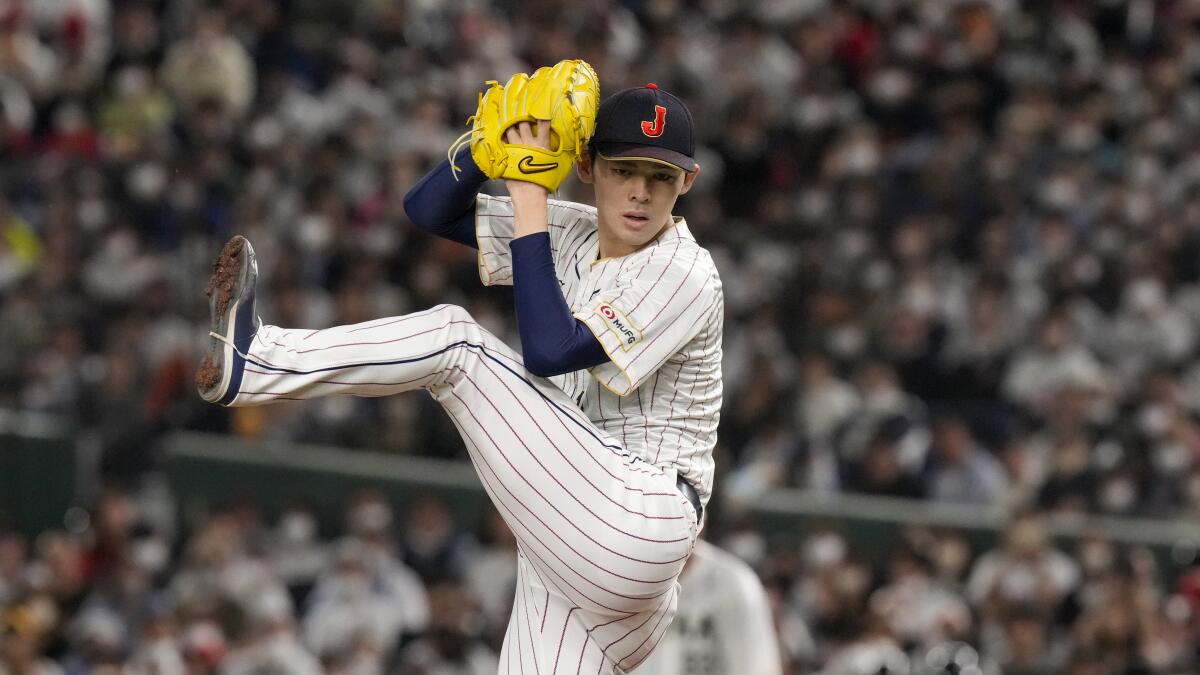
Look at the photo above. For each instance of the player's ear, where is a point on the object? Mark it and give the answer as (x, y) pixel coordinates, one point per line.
(689, 178)
(583, 166)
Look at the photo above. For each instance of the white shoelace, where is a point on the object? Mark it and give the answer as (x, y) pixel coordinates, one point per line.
(222, 338)
(232, 346)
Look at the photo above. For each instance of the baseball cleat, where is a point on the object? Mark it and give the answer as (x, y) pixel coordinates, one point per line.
(230, 293)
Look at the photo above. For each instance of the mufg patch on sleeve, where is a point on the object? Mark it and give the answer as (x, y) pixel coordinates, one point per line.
(619, 324)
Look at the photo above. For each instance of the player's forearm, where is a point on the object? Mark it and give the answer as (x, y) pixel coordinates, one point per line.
(444, 205)
(552, 340)
(530, 209)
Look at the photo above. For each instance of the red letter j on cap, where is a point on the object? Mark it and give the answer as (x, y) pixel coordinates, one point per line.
(655, 128)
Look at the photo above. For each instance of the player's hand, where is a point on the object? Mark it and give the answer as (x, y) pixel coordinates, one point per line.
(524, 133)
(538, 136)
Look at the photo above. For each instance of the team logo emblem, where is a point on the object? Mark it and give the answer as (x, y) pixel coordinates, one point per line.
(654, 128)
(620, 325)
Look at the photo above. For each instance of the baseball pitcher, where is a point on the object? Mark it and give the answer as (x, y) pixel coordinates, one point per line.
(595, 443)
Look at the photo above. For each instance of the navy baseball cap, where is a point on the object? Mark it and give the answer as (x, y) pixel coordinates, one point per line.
(645, 123)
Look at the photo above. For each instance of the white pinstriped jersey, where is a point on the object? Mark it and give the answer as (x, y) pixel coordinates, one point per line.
(658, 313)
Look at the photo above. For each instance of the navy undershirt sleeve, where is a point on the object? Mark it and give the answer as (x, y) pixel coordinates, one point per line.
(553, 341)
(439, 204)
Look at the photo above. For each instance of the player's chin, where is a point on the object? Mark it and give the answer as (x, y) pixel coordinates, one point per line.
(636, 239)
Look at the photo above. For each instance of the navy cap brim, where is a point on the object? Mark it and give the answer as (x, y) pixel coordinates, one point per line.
(647, 152)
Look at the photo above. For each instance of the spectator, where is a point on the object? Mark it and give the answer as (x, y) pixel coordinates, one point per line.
(1055, 362)
(22, 643)
(1026, 571)
(272, 644)
(881, 470)
(297, 555)
(158, 647)
(884, 403)
(825, 402)
(916, 609)
(210, 67)
(356, 601)
(1072, 482)
(218, 575)
(959, 470)
(432, 546)
(1026, 649)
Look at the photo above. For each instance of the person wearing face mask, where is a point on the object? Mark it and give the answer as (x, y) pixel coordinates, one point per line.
(352, 600)
(1148, 330)
(97, 637)
(1026, 570)
(271, 645)
(1054, 362)
(371, 543)
(432, 546)
(918, 609)
(297, 555)
(218, 574)
(883, 404)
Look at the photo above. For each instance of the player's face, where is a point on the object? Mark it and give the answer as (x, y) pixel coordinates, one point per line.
(634, 199)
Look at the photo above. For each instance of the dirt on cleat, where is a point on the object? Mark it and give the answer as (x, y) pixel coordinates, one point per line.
(226, 269)
(208, 375)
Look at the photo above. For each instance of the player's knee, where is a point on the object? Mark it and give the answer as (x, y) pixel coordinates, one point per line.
(460, 322)
(455, 313)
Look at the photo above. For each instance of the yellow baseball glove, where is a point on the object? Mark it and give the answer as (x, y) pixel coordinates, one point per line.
(567, 95)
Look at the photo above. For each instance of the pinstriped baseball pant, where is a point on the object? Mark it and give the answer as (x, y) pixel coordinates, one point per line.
(602, 535)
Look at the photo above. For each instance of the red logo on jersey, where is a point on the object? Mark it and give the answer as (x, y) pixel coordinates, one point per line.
(620, 325)
(655, 128)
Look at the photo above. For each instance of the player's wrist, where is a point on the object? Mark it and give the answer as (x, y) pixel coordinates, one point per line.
(530, 208)
(526, 192)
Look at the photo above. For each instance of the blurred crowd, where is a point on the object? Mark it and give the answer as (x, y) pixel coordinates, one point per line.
(120, 591)
(959, 241)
